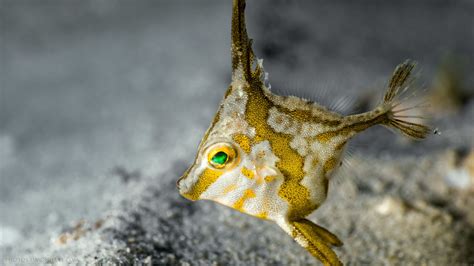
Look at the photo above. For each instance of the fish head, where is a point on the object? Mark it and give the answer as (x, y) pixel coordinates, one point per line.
(233, 164)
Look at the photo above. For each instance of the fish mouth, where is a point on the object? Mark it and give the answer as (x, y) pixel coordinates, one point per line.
(183, 188)
(185, 194)
(180, 185)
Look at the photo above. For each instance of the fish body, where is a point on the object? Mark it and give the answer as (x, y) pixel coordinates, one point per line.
(272, 156)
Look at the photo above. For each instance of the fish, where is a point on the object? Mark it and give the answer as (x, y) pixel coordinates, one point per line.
(272, 156)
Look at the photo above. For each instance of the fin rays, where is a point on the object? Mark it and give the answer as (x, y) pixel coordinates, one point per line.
(398, 80)
(397, 89)
(318, 241)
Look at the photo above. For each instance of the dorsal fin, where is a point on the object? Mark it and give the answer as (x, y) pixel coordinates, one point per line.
(241, 46)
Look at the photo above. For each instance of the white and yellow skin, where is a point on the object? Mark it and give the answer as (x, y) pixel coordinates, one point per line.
(271, 156)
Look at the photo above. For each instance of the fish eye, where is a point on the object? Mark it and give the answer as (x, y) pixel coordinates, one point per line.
(222, 155)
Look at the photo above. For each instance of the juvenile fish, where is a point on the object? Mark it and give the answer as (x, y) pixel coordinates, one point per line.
(272, 157)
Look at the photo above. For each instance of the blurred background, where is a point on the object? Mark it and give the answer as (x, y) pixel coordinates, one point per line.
(97, 93)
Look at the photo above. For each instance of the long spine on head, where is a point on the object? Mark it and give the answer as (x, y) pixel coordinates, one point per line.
(241, 46)
(241, 54)
(398, 85)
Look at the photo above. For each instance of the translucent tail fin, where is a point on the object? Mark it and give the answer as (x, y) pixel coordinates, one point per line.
(399, 116)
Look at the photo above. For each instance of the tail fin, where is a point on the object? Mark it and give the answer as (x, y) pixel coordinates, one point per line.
(400, 116)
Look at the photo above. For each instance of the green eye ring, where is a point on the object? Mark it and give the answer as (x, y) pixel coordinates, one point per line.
(222, 155)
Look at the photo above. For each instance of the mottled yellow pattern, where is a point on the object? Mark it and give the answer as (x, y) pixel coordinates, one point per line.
(248, 194)
(290, 164)
(243, 141)
(281, 151)
(330, 164)
(208, 177)
(247, 173)
(229, 188)
(325, 137)
(269, 178)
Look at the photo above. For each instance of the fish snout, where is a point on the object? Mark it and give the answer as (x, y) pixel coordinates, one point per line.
(184, 188)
